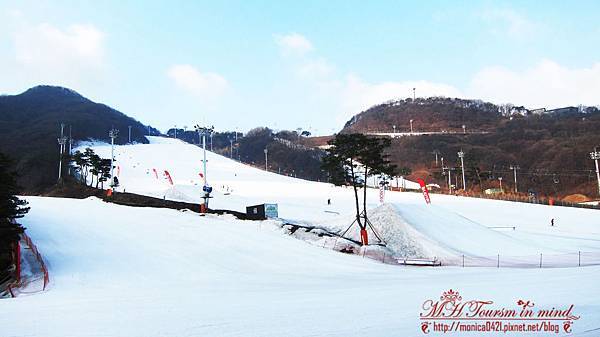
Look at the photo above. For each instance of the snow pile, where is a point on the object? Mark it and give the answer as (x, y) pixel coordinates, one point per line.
(402, 238)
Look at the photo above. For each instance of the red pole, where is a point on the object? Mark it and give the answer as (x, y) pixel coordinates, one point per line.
(364, 237)
(18, 261)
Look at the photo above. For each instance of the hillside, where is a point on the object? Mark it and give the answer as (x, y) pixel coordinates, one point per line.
(550, 147)
(288, 152)
(30, 125)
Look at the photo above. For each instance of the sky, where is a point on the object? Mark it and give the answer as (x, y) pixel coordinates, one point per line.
(303, 64)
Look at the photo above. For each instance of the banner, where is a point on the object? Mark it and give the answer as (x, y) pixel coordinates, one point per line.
(169, 177)
(425, 191)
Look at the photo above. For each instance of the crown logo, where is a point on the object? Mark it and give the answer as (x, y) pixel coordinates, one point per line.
(451, 296)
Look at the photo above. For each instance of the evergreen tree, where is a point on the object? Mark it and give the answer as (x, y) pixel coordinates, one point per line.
(104, 170)
(351, 159)
(11, 208)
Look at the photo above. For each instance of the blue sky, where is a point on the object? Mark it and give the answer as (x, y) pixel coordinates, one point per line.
(308, 64)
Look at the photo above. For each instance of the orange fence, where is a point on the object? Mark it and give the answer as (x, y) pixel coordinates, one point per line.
(38, 257)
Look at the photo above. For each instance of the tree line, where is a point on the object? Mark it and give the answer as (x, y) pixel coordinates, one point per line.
(88, 164)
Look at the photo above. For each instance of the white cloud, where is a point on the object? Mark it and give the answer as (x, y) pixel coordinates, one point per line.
(293, 44)
(349, 94)
(42, 53)
(45, 46)
(358, 95)
(547, 84)
(315, 69)
(509, 22)
(202, 85)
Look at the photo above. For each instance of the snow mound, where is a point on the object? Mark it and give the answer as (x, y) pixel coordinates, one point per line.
(402, 238)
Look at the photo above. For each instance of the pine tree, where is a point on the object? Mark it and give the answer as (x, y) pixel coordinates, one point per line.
(351, 159)
(11, 208)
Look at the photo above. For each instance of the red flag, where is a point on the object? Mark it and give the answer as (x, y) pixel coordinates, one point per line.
(424, 189)
(169, 177)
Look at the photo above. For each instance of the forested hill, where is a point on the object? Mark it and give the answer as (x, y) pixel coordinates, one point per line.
(30, 125)
(551, 147)
(428, 114)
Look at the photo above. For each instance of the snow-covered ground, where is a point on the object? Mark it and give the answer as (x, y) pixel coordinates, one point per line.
(123, 271)
(451, 226)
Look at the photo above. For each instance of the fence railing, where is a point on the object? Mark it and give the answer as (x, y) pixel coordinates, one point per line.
(564, 260)
(38, 257)
(508, 197)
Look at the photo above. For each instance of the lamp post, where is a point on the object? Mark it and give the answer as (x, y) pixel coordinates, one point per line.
(129, 134)
(500, 180)
(202, 131)
(436, 152)
(266, 159)
(515, 168)
(461, 155)
(595, 156)
(394, 127)
(113, 133)
(411, 126)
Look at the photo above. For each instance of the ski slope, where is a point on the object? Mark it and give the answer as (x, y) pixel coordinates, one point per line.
(126, 271)
(448, 228)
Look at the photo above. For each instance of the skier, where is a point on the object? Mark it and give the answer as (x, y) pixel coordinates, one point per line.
(552, 222)
(328, 201)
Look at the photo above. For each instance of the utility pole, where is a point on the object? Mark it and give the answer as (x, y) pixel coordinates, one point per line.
(442, 159)
(461, 155)
(62, 140)
(515, 168)
(450, 179)
(113, 133)
(70, 147)
(414, 94)
(595, 156)
(230, 147)
(70, 140)
(266, 159)
(129, 134)
(211, 136)
(436, 152)
(175, 131)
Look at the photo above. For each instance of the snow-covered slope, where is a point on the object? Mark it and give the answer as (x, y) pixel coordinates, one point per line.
(123, 271)
(449, 227)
